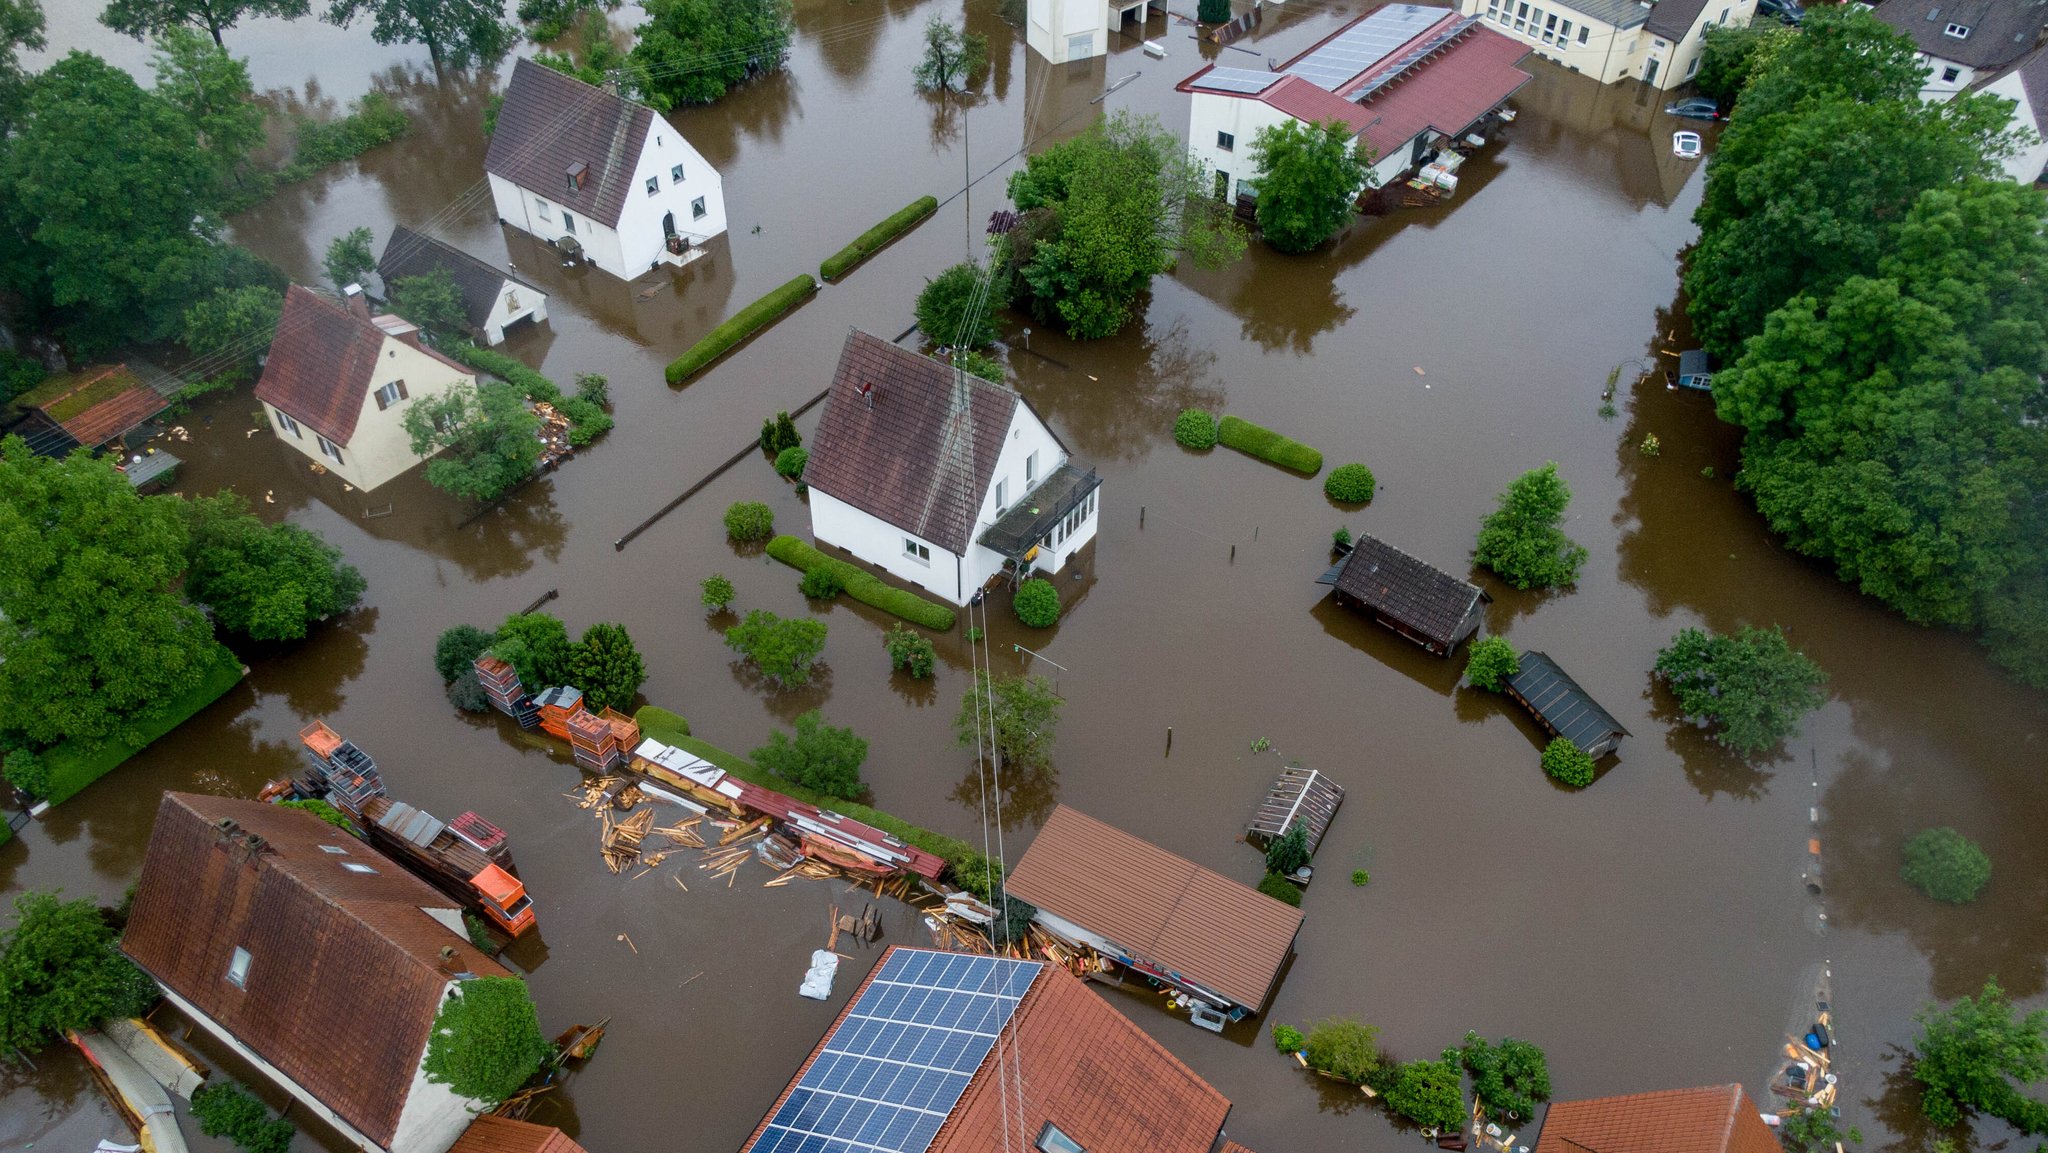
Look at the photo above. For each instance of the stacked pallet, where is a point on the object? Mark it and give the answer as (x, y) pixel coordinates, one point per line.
(348, 773)
(592, 739)
(501, 683)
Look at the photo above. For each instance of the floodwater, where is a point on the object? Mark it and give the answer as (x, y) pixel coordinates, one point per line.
(1655, 930)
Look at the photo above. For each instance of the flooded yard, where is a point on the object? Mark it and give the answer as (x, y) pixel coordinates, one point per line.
(1654, 930)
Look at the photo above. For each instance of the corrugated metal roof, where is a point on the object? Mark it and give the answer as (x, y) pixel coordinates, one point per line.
(1564, 707)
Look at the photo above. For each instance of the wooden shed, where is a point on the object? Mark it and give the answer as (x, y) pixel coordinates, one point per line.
(1562, 707)
(1412, 597)
(1695, 370)
(1300, 794)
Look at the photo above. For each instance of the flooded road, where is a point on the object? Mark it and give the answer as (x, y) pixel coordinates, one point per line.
(1652, 931)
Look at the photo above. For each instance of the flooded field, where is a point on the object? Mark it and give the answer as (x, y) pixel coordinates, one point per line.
(1652, 931)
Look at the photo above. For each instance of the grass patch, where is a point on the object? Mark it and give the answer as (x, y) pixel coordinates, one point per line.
(72, 767)
(744, 323)
(874, 239)
(862, 585)
(49, 395)
(1267, 445)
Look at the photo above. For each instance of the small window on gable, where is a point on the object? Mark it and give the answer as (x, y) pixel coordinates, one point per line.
(697, 209)
(352, 867)
(1948, 75)
(653, 185)
(337, 850)
(390, 394)
(1226, 141)
(1051, 1140)
(238, 968)
(1959, 31)
(675, 174)
(916, 551)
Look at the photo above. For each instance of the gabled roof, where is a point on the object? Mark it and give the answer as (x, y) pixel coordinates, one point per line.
(2001, 31)
(1409, 591)
(325, 945)
(1672, 19)
(908, 458)
(1564, 707)
(2032, 70)
(321, 363)
(1166, 909)
(550, 123)
(411, 253)
(492, 1134)
(97, 404)
(1714, 1119)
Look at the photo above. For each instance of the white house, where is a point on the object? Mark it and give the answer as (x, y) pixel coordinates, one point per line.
(314, 957)
(2026, 85)
(569, 162)
(939, 477)
(338, 381)
(1402, 77)
(1963, 41)
(1655, 41)
(492, 300)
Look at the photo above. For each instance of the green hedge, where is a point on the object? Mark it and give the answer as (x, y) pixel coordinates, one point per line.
(862, 585)
(870, 242)
(744, 323)
(73, 767)
(1264, 443)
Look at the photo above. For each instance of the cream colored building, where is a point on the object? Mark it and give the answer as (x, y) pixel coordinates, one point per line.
(338, 381)
(1657, 43)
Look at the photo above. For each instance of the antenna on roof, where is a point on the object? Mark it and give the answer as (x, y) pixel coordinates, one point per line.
(867, 393)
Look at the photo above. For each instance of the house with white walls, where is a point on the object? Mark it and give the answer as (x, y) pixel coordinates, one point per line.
(940, 478)
(1655, 41)
(338, 380)
(1063, 30)
(492, 300)
(1402, 78)
(598, 176)
(318, 960)
(1963, 42)
(2025, 83)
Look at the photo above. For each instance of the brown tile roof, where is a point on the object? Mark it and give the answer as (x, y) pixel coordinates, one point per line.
(1672, 19)
(97, 404)
(550, 123)
(412, 253)
(324, 943)
(2001, 31)
(1409, 591)
(320, 365)
(906, 458)
(1165, 909)
(1470, 77)
(1713, 1119)
(489, 1134)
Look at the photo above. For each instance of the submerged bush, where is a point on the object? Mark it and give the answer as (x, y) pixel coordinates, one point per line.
(1195, 429)
(458, 648)
(1350, 483)
(225, 1109)
(1491, 661)
(717, 592)
(821, 583)
(1567, 763)
(1343, 1047)
(790, 461)
(1037, 603)
(1280, 889)
(1287, 1038)
(911, 651)
(749, 520)
(1267, 445)
(1946, 865)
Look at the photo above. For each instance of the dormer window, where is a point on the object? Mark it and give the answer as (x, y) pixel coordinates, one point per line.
(1959, 31)
(575, 174)
(1051, 1140)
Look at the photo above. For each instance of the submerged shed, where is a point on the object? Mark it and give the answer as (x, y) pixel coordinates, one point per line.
(1412, 597)
(1695, 370)
(1300, 794)
(1562, 707)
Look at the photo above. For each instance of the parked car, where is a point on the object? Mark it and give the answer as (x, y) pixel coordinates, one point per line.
(1787, 10)
(1685, 145)
(1695, 108)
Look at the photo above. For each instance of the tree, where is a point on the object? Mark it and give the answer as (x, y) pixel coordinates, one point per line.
(1521, 539)
(457, 649)
(1969, 1055)
(141, 18)
(229, 329)
(1752, 686)
(1213, 11)
(1037, 603)
(1814, 1131)
(600, 62)
(606, 666)
(213, 92)
(431, 301)
(1567, 763)
(699, 49)
(266, 582)
(490, 437)
(717, 592)
(486, 1041)
(61, 968)
(779, 434)
(1491, 661)
(1509, 1078)
(1289, 851)
(91, 635)
(1023, 713)
(349, 258)
(1429, 1093)
(944, 305)
(782, 649)
(1732, 53)
(790, 462)
(27, 771)
(1309, 176)
(910, 651)
(1946, 865)
(954, 59)
(1343, 1047)
(536, 645)
(1103, 214)
(21, 26)
(455, 32)
(821, 758)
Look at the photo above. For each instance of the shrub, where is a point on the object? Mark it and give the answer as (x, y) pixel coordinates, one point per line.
(225, 1109)
(1521, 539)
(943, 305)
(749, 520)
(1360, 877)
(1752, 686)
(1267, 445)
(480, 934)
(1941, 863)
(717, 592)
(1342, 536)
(1508, 1078)
(593, 387)
(587, 420)
(1037, 603)
(1280, 889)
(821, 758)
(1343, 1047)
(1491, 661)
(743, 324)
(467, 692)
(62, 968)
(874, 239)
(1023, 712)
(458, 648)
(1289, 850)
(783, 650)
(790, 462)
(486, 1040)
(322, 810)
(374, 120)
(1349, 483)
(26, 771)
(863, 585)
(537, 646)
(1429, 1093)
(978, 874)
(821, 583)
(976, 363)
(1565, 761)
(778, 433)
(1194, 429)
(606, 666)
(1287, 1038)
(530, 384)
(910, 651)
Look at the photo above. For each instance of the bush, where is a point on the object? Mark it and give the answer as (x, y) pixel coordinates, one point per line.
(782, 649)
(1280, 889)
(1361, 878)
(467, 692)
(480, 934)
(1213, 11)
(1752, 686)
(863, 585)
(943, 304)
(1021, 715)
(606, 666)
(779, 434)
(374, 120)
(1490, 662)
(225, 1109)
(1349, 483)
(1289, 850)
(1508, 1078)
(790, 462)
(821, 758)
(27, 772)
(1343, 1048)
(1195, 429)
(1342, 536)
(486, 1040)
(62, 968)
(717, 592)
(1565, 762)
(975, 363)
(910, 651)
(872, 241)
(322, 810)
(821, 583)
(1521, 539)
(1037, 603)
(743, 324)
(1267, 445)
(1287, 1038)
(587, 420)
(458, 648)
(1941, 863)
(1429, 1093)
(749, 520)
(593, 387)
(530, 384)
(978, 874)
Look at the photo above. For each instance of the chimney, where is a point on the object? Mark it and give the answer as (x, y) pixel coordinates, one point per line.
(357, 303)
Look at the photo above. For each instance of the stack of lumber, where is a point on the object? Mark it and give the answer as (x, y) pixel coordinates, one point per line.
(620, 841)
(684, 835)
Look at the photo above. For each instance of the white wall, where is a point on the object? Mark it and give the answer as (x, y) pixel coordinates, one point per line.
(514, 302)
(1608, 54)
(433, 1116)
(1938, 89)
(2025, 165)
(1209, 114)
(534, 212)
(642, 238)
(379, 450)
(879, 543)
(1052, 29)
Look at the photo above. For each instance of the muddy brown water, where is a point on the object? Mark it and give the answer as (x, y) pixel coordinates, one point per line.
(1652, 931)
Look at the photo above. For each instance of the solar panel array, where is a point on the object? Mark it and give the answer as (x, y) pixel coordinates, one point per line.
(1413, 56)
(1245, 81)
(1364, 44)
(898, 1062)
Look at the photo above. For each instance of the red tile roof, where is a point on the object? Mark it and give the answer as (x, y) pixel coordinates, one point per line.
(321, 364)
(1713, 1119)
(323, 943)
(118, 401)
(488, 1134)
(1164, 908)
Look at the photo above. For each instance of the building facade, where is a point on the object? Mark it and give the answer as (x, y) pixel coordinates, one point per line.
(492, 301)
(2026, 85)
(1610, 40)
(1965, 42)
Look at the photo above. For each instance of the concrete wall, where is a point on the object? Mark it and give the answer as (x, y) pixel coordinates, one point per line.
(2026, 164)
(515, 301)
(879, 543)
(379, 450)
(1064, 30)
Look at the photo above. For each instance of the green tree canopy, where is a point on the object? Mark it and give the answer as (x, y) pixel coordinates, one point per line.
(819, 757)
(606, 666)
(1429, 1093)
(1343, 1047)
(1522, 541)
(1022, 712)
(456, 32)
(1309, 176)
(1732, 53)
(601, 61)
(431, 301)
(211, 89)
(1946, 865)
(1751, 687)
(349, 258)
(268, 582)
(537, 646)
(1509, 1078)
(458, 647)
(486, 1040)
(1289, 850)
(140, 18)
(61, 968)
(954, 59)
(1490, 662)
(21, 26)
(698, 49)
(231, 327)
(1969, 1056)
(783, 650)
(488, 434)
(944, 303)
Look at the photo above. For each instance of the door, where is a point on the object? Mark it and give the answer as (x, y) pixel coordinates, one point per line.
(668, 224)
(1650, 71)
(1222, 185)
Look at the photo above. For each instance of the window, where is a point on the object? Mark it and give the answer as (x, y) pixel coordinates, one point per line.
(653, 185)
(328, 448)
(1582, 34)
(238, 968)
(352, 867)
(1948, 75)
(1002, 495)
(1959, 31)
(1226, 141)
(1051, 1140)
(1222, 185)
(568, 222)
(337, 850)
(1692, 67)
(697, 209)
(1564, 32)
(390, 394)
(1030, 468)
(540, 208)
(917, 552)
(288, 424)
(1724, 16)
(1658, 43)
(675, 174)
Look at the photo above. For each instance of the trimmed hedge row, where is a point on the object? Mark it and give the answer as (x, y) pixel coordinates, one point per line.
(1267, 445)
(872, 241)
(72, 766)
(862, 585)
(744, 323)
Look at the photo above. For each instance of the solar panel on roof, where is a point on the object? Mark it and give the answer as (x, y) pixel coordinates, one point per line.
(1363, 45)
(899, 1060)
(1245, 81)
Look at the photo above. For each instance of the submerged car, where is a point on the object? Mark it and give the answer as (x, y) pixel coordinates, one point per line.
(1695, 108)
(1685, 145)
(1788, 11)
